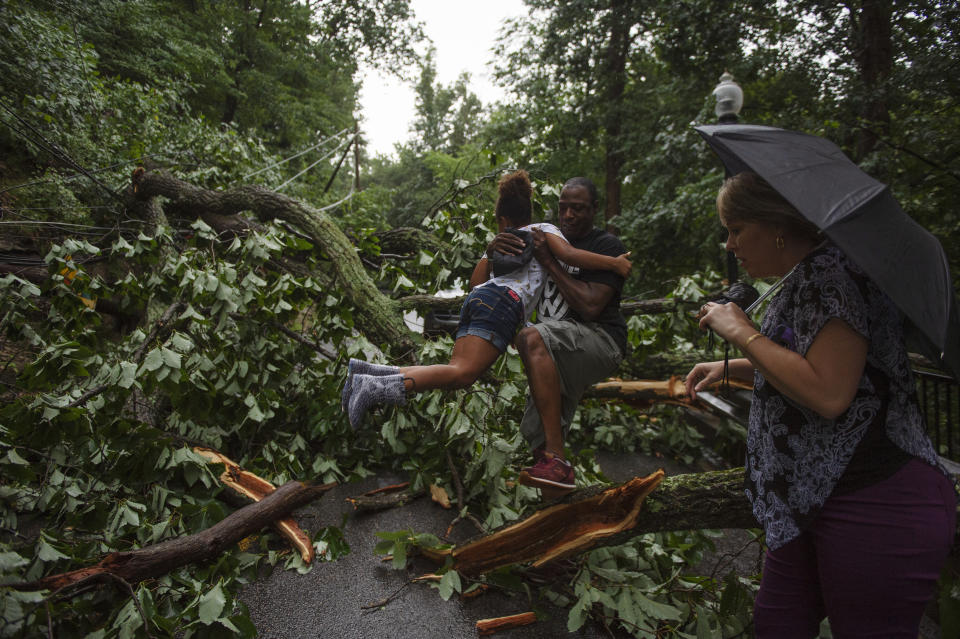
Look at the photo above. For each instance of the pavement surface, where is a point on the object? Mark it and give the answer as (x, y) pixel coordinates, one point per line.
(330, 600)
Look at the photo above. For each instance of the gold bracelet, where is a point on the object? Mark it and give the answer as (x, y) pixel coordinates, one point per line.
(750, 339)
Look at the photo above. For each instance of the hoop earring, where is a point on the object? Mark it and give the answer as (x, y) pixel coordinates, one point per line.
(780, 243)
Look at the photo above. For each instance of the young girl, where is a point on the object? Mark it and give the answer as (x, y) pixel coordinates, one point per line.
(489, 318)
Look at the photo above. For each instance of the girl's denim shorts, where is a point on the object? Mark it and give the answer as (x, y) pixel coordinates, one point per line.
(493, 313)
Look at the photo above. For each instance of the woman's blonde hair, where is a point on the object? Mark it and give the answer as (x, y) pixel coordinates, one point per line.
(747, 197)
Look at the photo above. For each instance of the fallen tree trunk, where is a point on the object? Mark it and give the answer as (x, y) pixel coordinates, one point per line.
(609, 516)
(426, 303)
(581, 521)
(380, 316)
(135, 566)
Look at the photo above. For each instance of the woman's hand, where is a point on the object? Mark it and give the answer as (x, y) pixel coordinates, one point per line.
(726, 320)
(701, 376)
(622, 265)
(506, 243)
(541, 249)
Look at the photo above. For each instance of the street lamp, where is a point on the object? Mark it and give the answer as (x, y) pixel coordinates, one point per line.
(729, 97)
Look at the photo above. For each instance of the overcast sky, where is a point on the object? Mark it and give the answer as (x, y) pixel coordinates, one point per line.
(463, 32)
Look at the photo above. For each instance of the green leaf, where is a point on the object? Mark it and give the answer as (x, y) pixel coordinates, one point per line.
(14, 458)
(181, 343)
(153, 360)
(656, 609)
(255, 414)
(703, 626)
(449, 583)
(170, 358)
(10, 561)
(46, 552)
(399, 556)
(576, 618)
(211, 605)
(128, 374)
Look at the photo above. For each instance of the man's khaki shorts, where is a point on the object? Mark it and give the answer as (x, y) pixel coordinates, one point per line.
(584, 354)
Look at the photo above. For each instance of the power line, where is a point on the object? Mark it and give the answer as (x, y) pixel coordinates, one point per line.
(68, 178)
(296, 155)
(328, 154)
(56, 151)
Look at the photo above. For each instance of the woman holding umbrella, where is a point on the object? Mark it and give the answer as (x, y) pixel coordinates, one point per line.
(859, 515)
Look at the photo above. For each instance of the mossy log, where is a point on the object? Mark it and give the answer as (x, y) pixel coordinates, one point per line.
(135, 566)
(408, 241)
(379, 315)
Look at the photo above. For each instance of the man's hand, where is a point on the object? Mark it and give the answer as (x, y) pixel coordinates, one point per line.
(506, 243)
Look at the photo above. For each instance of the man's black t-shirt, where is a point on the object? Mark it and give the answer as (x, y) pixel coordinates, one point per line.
(553, 306)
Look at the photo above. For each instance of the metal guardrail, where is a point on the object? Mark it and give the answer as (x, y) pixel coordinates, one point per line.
(939, 397)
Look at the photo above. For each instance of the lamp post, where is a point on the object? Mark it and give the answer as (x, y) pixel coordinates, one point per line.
(729, 97)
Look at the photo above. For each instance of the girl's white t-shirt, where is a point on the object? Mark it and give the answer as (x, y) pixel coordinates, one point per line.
(528, 280)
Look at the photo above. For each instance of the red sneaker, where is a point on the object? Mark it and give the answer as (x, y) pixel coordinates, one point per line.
(549, 472)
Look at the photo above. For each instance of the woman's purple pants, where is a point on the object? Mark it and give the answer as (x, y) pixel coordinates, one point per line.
(870, 562)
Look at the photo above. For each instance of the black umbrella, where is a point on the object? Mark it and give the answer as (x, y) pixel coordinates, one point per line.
(862, 217)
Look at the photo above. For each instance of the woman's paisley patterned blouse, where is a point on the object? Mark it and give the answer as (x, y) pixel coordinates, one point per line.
(795, 456)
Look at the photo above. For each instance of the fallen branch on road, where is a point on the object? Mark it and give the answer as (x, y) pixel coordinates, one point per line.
(134, 566)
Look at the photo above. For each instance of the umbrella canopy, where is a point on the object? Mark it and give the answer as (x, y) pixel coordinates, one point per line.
(861, 216)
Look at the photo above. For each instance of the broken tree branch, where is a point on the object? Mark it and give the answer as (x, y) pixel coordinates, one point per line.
(255, 488)
(581, 521)
(135, 566)
(386, 497)
(381, 316)
(645, 392)
(608, 516)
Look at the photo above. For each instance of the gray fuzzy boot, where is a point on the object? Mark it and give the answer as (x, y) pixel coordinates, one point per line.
(370, 390)
(360, 367)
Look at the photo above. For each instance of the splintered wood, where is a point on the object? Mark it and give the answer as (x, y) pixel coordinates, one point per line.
(561, 530)
(256, 488)
(645, 393)
(490, 626)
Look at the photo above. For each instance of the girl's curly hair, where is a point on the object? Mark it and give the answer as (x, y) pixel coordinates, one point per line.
(514, 200)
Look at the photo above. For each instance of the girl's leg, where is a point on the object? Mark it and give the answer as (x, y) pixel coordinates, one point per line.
(471, 356)
(789, 604)
(881, 549)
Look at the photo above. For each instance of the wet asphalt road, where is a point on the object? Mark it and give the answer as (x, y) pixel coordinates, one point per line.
(329, 601)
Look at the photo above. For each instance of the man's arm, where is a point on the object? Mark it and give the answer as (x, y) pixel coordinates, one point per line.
(588, 299)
